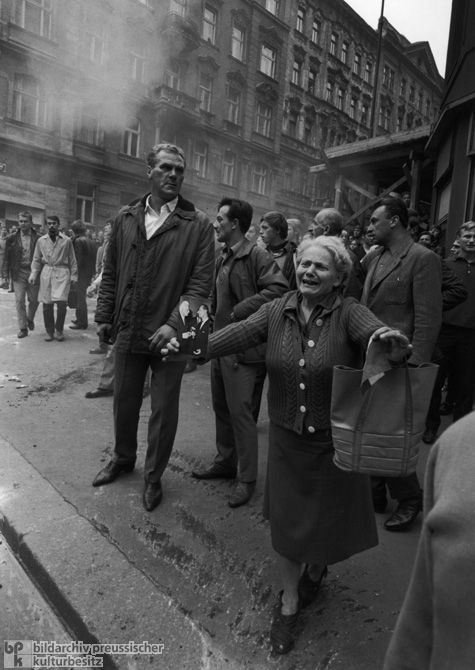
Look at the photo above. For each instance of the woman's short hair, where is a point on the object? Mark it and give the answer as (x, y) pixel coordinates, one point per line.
(335, 247)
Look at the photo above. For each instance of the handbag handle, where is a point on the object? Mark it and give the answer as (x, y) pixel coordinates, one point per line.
(408, 418)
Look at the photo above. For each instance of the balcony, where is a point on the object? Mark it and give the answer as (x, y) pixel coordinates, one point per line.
(175, 107)
(181, 34)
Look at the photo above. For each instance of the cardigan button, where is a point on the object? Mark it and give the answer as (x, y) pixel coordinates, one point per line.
(311, 429)
(302, 362)
(319, 322)
(303, 409)
(311, 343)
(302, 386)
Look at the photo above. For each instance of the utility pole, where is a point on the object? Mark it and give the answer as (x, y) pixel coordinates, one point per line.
(376, 74)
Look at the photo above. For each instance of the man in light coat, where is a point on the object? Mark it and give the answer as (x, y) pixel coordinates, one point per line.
(55, 264)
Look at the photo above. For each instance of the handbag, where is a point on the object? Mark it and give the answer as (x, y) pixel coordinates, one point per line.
(72, 298)
(378, 430)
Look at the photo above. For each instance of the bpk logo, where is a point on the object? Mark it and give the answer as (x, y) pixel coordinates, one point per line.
(18, 654)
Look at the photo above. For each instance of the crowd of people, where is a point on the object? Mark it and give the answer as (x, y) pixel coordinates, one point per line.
(278, 306)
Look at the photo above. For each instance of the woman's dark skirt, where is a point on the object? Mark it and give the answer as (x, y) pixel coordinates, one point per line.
(318, 513)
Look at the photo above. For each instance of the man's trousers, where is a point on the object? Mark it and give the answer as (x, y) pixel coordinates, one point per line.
(24, 290)
(232, 387)
(129, 378)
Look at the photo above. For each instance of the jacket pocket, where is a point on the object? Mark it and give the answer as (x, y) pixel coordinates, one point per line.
(395, 292)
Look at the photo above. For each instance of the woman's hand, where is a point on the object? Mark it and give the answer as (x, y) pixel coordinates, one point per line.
(172, 347)
(396, 344)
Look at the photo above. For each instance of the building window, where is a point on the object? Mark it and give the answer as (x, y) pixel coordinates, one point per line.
(34, 15)
(357, 64)
(312, 82)
(200, 158)
(89, 129)
(399, 123)
(344, 52)
(333, 44)
(238, 42)
(329, 92)
(427, 107)
(293, 123)
(364, 115)
(263, 119)
(297, 72)
(268, 60)
(259, 178)
(300, 19)
(272, 6)
(316, 31)
(388, 77)
(29, 103)
(353, 103)
(229, 168)
(420, 101)
(136, 63)
(178, 7)
(288, 177)
(206, 88)
(384, 117)
(132, 139)
(85, 202)
(308, 130)
(94, 38)
(210, 21)
(402, 88)
(173, 75)
(340, 103)
(368, 72)
(234, 105)
(412, 93)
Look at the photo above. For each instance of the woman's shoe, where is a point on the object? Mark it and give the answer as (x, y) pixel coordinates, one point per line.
(308, 589)
(282, 632)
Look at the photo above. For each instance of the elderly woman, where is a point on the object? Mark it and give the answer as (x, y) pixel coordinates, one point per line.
(318, 514)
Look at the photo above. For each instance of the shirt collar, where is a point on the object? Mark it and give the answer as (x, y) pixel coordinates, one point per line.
(168, 206)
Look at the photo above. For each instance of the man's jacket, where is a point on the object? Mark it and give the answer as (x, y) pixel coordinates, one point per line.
(143, 280)
(13, 253)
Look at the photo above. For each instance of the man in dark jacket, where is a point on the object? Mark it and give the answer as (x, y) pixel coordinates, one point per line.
(19, 249)
(161, 251)
(403, 289)
(85, 252)
(273, 232)
(246, 278)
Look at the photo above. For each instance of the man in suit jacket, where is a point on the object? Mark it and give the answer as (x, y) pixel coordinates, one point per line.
(402, 288)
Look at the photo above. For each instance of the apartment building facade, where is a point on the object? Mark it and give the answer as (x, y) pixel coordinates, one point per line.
(250, 89)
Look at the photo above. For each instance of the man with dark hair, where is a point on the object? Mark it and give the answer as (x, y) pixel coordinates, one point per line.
(85, 251)
(273, 232)
(246, 277)
(55, 264)
(161, 251)
(19, 250)
(403, 289)
(456, 340)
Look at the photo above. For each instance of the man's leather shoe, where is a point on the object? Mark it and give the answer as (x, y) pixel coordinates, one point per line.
(98, 351)
(31, 324)
(152, 495)
(404, 515)
(242, 494)
(110, 473)
(49, 337)
(446, 409)
(379, 504)
(430, 436)
(23, 333)
(60, 336)
(215, 472)
(76, 326)
(98, 393)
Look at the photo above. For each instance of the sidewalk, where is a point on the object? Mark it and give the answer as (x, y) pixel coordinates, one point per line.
(82, 586)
